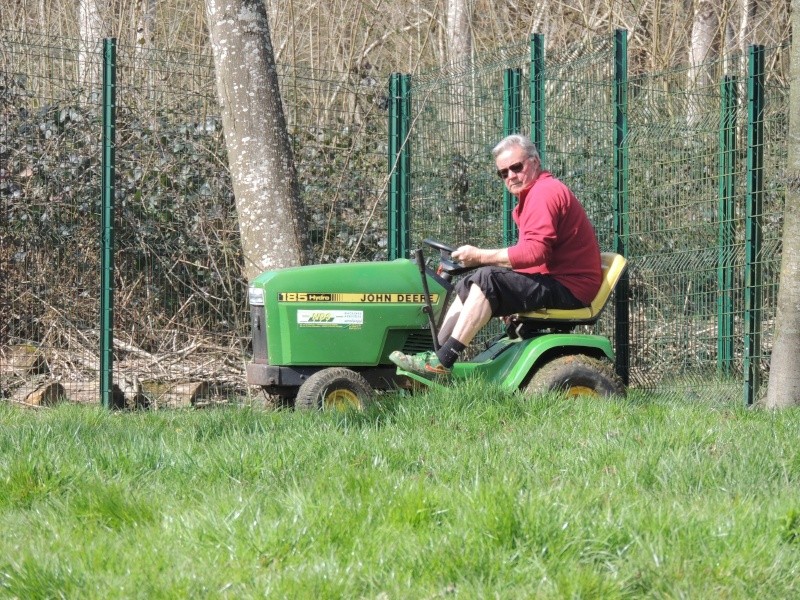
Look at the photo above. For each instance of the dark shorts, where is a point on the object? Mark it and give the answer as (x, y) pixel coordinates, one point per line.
(509, 292)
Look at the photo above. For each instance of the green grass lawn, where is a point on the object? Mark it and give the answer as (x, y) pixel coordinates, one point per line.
(469, 493)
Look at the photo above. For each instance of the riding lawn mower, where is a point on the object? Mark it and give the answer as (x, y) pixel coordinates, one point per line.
(322, 334)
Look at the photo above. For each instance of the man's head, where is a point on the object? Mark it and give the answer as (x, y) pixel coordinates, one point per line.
(518, 163)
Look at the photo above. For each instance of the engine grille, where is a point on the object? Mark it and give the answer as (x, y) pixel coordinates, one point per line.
(418, 341)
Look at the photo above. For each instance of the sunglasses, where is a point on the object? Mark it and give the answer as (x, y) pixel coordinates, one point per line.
(515, 168)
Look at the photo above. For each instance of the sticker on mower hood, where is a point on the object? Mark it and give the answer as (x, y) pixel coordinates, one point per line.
(330, 318)
(355, 298)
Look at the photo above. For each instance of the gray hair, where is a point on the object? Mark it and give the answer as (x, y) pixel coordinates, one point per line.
(522, 141)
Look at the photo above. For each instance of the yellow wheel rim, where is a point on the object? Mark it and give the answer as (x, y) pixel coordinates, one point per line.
(340, 400)
(580, 390)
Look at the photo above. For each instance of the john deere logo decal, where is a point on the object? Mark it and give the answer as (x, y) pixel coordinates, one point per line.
(377, 298)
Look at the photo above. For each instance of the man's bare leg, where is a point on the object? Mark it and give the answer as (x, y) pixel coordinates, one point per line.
(450, 319)
(474, 315)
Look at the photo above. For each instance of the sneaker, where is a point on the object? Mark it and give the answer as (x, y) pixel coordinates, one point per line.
(424, 363)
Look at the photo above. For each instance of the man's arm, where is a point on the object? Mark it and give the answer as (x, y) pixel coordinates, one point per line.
(470, 256)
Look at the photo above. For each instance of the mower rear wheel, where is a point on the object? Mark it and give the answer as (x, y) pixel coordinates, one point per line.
(335, 388)
(576, 375)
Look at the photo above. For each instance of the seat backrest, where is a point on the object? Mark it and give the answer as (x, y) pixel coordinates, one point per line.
(614, 266)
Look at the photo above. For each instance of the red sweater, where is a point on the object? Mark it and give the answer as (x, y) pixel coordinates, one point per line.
(556, 238)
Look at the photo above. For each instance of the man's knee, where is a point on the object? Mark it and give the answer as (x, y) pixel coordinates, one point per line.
(480, 277)
(469, 289)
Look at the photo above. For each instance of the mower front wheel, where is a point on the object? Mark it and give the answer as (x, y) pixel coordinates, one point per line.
(334, 388)
(576, 375)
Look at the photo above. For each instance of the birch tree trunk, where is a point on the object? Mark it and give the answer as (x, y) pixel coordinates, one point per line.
(747, 17)
(784, 378)
(145, 23)
(459, 31)
(739, 33)
(92, 31)
(144, 43)
(271, 215)
(459, 50)
(704, 30)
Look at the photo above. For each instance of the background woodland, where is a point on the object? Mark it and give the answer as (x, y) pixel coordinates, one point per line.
(376, 37)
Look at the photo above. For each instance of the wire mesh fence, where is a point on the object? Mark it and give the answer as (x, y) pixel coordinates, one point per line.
(180, 314)
(673, 221)
(680, 243)
(50, 190)
(457, 116)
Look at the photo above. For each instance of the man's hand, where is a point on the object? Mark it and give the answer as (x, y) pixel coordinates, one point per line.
(469, 256)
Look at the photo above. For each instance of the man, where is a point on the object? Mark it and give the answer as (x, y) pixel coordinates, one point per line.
(555, 263)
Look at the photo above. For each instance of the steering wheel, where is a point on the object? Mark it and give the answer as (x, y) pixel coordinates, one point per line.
(446, 263)
(438, 245)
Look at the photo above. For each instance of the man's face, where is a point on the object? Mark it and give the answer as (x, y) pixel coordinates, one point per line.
(517, 170)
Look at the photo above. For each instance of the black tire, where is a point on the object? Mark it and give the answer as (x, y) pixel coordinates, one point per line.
(576, 375)
(334, 388)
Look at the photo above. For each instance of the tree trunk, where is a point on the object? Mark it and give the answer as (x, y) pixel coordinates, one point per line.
(145, 23)
(704, 30)
(747, 17)
(784, 378)
(92, 26)
(539, 20)
(459, 50)
(739, 31)
(459, 31)
(144, 43)
(271, 215)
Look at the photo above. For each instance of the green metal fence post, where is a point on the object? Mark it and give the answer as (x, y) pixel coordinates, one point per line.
(107, 222)
(621, 205)
(512, 118)
(399, 231)
(726, 214)
(753, 216)
(537, 94)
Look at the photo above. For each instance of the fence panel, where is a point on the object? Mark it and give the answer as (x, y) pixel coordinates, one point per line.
(580, 128)
(50, 181)
(180, 319)
(673, 149)
(338, 125)
(457, 118)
